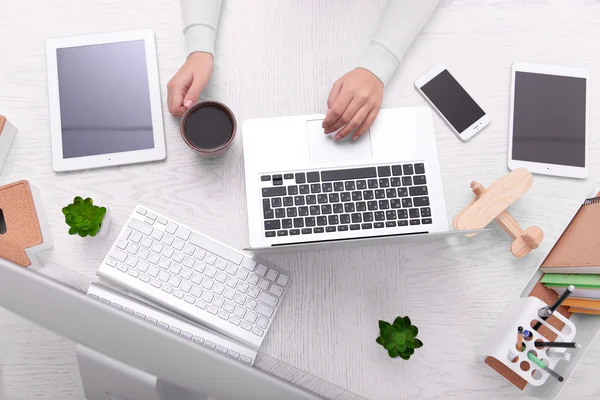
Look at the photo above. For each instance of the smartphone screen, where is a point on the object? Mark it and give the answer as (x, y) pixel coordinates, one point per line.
(452, 101)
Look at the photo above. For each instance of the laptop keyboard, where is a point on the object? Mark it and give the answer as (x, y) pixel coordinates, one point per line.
(314, 202)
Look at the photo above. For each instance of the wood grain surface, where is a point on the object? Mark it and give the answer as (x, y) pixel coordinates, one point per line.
(277, 58)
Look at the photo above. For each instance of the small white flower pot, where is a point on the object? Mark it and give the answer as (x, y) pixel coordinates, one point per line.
(104, 226)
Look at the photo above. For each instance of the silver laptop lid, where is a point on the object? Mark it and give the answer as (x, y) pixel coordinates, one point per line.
(303, 170)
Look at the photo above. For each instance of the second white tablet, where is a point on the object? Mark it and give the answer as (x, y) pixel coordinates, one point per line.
(548, 131)
(104, 98)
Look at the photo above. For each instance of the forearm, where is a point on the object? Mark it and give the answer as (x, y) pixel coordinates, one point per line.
(201, 19)
(402, 21)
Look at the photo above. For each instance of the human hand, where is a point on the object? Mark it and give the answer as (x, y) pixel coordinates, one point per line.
(353, 103)
(183, 90)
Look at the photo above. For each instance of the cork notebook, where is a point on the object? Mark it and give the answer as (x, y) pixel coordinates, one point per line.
(19, 224)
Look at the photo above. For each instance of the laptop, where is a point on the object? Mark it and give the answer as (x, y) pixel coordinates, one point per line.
(304, 189)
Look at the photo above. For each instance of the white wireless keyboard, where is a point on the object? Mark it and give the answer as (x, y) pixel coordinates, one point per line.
(196, 276)
(168, 322)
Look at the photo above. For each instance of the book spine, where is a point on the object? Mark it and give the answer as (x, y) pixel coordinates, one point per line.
(591, 281)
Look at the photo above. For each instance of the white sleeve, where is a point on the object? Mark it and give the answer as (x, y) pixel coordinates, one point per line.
(401, 23)
(201, 18)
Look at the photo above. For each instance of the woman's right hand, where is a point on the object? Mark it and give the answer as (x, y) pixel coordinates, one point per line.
(183, 90)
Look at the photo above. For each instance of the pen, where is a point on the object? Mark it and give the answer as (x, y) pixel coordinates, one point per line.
(563, 355)
(546, 312)
(526, 334)
(543, 366)
(570, 345)
(519, 338)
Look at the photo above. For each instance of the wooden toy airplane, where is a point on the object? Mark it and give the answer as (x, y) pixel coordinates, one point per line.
(491, 204)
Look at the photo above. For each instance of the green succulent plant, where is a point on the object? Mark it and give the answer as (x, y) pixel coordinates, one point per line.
(84, 218)
(399, 338)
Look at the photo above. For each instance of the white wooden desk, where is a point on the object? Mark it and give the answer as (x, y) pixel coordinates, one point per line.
(278, 58)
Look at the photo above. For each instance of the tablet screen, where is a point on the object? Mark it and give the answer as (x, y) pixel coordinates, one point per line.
(104, 99)
(549, 119)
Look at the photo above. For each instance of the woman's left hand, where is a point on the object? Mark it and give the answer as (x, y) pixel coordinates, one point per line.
(353, 103)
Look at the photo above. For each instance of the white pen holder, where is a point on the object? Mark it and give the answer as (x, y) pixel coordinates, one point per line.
(524, 312)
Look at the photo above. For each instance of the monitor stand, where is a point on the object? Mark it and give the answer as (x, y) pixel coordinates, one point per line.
(105, 378)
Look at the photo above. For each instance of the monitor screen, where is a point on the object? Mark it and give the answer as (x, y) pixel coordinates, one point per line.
(115, 340)
(104, 99)
(549, 121)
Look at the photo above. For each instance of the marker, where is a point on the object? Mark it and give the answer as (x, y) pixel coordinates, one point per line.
(563, 355)
(546, 312)
(519, 338)
(569, 345)
(543, 366)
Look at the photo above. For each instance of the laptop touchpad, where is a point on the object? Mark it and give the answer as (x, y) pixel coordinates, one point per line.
(323, 148)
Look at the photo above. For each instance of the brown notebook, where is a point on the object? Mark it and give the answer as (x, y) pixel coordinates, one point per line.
(578, 249)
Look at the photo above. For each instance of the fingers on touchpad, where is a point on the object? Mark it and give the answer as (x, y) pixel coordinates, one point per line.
(323, 148)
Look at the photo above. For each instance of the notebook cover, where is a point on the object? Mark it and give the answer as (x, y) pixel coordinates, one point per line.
(579, 245)
(576, 310)
(564, 280)
(22, 225)
(573, 302)
(588, 294)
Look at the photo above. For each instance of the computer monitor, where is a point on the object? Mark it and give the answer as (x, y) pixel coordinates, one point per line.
(128, 341)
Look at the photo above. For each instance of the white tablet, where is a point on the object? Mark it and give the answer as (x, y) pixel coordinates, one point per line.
(104, 99)
(548, 131)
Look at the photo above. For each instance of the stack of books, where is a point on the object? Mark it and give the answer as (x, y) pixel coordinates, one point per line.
(575, 260)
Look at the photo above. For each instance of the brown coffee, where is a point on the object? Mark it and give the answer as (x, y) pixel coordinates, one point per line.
(208, 127)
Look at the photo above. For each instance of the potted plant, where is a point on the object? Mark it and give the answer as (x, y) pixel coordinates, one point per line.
(399, 338)
(86, 219)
